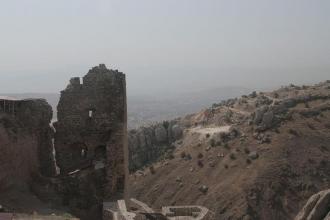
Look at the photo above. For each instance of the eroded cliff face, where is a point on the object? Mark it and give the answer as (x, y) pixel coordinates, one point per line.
(25, 142)
(149, 144)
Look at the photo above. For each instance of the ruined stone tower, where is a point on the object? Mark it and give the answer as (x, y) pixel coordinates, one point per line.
(91, 130)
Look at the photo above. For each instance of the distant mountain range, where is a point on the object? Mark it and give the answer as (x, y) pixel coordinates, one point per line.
(144, 110)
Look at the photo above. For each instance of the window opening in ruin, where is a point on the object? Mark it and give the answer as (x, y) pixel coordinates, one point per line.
(90, 113)
(79, 153)
(100, 157)
(100, 152)
(83, 153)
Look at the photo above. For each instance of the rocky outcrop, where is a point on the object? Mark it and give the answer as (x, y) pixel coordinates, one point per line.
(270, 115)
(148, 144)
(25, 142)
(317, 207)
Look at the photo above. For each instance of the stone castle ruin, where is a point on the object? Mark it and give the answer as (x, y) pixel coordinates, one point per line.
(92, 126)
(82, 162)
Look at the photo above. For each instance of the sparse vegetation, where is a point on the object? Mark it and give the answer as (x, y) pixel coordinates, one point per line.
(327, 125)
(207, 135)
(200, 163)
(188, 157)
(152, 169)
(212, 143)
(246, 150)
(293, 132)
(183, 154)
(232, 156)
(310, 126)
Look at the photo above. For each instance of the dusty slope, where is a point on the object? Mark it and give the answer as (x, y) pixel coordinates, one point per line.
(289, 131)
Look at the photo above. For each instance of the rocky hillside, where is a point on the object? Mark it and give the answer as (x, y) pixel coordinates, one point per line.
(259, 156)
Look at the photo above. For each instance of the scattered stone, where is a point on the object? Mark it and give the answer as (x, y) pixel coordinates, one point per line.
(188, 157)
(179, 179)
(140, 173)
(212, 164)
(203, 189)
(253, 155)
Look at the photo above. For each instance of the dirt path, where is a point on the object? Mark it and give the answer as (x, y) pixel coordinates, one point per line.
(211, 130)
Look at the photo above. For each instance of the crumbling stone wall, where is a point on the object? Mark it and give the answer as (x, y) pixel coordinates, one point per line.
(25, 142)
(90, 133)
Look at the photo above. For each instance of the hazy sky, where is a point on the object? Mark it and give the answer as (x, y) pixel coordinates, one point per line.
(164, 45)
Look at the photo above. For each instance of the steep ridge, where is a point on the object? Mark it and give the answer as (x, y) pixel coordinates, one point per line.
(260, 156)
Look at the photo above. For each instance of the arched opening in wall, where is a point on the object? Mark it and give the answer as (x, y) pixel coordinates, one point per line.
(100, 155)
(78, 154)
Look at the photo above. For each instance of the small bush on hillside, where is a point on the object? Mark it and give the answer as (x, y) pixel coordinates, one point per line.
(226, 146)
(311, 126)
(169, 155)
(248, 161)
(232, 156)
(246, 150)
(207, 135)
(166, 124)
(212, 143)
(200, 163)
(183, 154)
(327, 125)
(188, 157)
(152, 170)
(293, 132)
